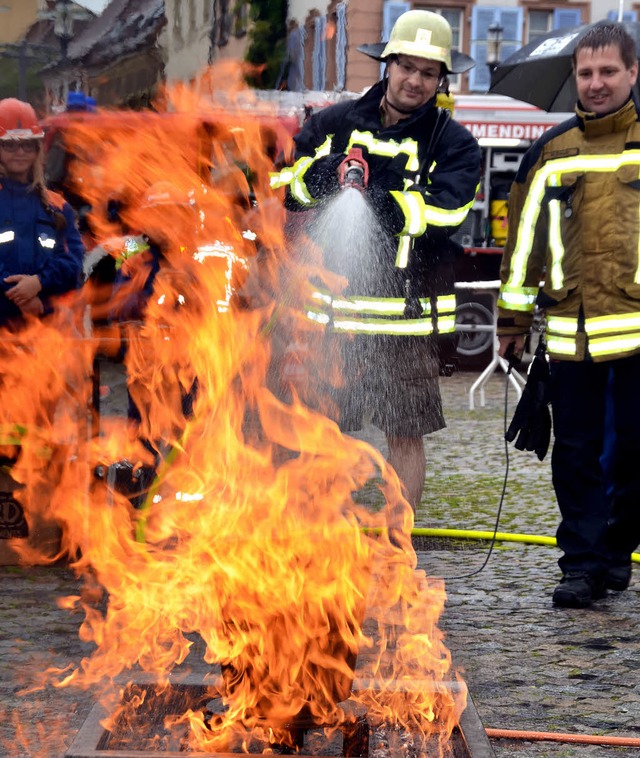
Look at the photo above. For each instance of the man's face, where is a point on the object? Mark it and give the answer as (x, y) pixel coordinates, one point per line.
(412, 81)
(603, 81)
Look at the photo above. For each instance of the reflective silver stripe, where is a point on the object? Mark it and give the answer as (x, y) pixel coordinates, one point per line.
(418, 327)
(47, 242)
(413, 208)
(517, 298)
(555, 242)
(621, 322)
(404, 248)
(614, 345)
(298, 187)
(389, 306)
(443, 217)
(562, 324)
(387, 148)
(561, 345)
(7, 236)
(280, 179)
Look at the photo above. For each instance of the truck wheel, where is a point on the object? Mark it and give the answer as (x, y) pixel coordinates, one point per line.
(473, 345)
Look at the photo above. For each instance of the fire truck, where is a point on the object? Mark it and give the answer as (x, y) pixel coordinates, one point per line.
(504, 128)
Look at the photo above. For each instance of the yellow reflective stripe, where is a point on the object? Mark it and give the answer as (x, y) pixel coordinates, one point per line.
(612, 345)
(446, 324)
(531, 207)
(387, 148)
(446, 217)
(419, 326)
(446, 303)
(281, 178)
(616, 323)
(404, 248)
(7, 236)
(414, 210)
(390, 306)
(297, 186)
(561, 345)
(555, 241)
(562, 324)
(517, 298)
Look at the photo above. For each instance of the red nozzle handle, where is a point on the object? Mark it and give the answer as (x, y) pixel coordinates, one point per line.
(354, 155)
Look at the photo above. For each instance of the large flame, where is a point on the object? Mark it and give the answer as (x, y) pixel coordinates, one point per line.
(250, 535)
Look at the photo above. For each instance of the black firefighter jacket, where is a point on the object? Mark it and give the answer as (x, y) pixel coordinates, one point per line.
(423, 177)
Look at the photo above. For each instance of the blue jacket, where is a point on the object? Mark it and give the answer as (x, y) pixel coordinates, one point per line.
(31, 244)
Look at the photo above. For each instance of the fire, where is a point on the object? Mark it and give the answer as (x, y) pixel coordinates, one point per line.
(250, 537)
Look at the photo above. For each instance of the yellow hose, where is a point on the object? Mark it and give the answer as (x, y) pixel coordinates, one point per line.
(468, 534)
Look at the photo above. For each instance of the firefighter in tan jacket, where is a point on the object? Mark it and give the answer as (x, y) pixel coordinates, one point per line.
(574, 223)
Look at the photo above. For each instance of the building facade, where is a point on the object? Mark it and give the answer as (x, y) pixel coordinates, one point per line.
(323, 42)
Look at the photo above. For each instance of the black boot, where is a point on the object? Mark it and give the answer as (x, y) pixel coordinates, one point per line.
(578, 590)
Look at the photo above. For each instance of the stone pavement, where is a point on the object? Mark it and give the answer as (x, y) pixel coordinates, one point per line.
(528, 666)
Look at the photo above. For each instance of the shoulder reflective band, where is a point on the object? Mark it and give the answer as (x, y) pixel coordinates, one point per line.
(47, 242)
(8, 236)
(517, 298)
(387, 148)
(294, 176)
(531, 210)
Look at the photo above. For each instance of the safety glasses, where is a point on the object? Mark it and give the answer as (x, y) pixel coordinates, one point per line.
(26, 145)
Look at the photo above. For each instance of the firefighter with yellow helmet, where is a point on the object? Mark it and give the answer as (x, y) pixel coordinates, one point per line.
(418, 170)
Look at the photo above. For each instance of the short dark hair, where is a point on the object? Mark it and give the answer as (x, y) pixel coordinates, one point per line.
(608, 33)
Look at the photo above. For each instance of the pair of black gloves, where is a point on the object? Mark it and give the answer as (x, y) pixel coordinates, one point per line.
(531, 423)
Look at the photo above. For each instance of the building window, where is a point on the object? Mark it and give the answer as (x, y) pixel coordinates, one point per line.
(455, 17)
(482, 16)
(539, 23)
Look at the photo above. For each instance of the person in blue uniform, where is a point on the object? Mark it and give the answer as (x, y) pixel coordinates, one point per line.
(41, 252)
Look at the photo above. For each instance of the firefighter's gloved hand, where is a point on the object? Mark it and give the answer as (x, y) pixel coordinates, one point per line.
(531, 423)
(322, 177)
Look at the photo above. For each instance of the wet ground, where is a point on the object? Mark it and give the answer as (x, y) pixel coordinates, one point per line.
(528, 666)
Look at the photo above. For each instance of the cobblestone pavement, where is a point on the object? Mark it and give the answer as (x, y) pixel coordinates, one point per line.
(528, 666)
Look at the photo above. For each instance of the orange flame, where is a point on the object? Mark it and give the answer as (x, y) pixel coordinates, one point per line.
(250, 536)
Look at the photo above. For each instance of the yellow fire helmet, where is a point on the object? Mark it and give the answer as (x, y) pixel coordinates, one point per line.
(422, 34)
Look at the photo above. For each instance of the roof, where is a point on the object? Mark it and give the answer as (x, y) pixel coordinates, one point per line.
(124, 27)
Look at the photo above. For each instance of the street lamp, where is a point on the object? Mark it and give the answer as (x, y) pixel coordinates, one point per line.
(494, 43)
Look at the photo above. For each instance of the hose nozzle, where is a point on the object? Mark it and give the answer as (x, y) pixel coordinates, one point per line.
(354, 171)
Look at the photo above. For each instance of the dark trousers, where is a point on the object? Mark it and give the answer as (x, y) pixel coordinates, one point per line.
(596, 410)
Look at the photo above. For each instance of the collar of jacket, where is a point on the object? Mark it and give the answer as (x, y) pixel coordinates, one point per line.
(368, 106)
(595, 125)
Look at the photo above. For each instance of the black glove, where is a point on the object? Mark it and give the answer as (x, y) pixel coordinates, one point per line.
(321, 177)
(532, 419)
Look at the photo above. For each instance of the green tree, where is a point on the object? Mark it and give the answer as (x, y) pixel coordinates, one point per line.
(267, 40)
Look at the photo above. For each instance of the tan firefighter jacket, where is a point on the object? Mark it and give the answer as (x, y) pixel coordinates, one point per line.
(574, 223)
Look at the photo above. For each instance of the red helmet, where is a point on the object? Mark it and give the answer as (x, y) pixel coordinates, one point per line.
(18, 120)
